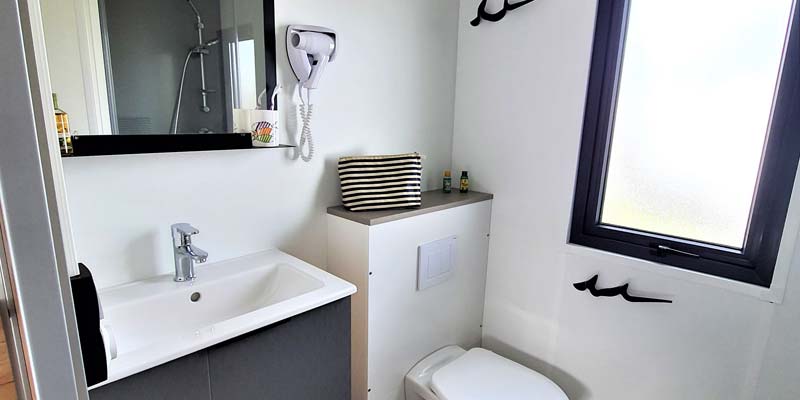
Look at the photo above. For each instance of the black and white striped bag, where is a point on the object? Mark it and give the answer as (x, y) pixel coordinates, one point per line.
(381, 182)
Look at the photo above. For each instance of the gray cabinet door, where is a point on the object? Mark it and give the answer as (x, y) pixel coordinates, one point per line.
(183, 379)
(305, 358)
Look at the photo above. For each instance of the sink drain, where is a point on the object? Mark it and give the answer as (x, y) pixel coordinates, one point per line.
(195, 297)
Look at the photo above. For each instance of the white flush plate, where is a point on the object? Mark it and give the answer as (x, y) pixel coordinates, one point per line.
(436, 262)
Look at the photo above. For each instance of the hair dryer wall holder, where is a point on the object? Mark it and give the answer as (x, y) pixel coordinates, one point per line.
(310, 59)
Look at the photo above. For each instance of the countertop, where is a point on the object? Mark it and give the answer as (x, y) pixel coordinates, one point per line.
(432, 201)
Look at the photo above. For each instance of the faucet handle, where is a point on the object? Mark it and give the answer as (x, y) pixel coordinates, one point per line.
(182, 233)
(185, 229)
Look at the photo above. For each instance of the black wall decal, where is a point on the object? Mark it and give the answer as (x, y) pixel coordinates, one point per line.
(494, 17)
(615, 291)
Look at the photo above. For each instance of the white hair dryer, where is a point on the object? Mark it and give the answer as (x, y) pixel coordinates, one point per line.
(310, 49)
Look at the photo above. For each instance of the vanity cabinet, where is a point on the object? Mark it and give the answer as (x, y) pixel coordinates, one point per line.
(304, 357)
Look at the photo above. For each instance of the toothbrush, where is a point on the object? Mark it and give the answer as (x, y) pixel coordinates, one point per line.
(260, 100)
(275, 93)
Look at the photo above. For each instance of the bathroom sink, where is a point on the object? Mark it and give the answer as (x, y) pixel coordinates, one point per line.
(150, 322)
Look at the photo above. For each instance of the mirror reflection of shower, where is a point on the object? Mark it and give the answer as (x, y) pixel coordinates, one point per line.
(201, 50)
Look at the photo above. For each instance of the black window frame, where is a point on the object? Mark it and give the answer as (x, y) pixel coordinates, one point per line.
(755, 263)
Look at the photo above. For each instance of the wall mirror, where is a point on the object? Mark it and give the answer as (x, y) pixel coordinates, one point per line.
(152, 76)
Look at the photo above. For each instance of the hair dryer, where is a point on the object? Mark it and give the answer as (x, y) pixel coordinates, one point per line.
(315, 49)
(310, 49)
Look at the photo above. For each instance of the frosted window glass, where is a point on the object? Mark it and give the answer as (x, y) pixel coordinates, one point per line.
(693, 107)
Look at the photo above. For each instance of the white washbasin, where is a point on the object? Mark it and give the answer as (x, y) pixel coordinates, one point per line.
(150, 322)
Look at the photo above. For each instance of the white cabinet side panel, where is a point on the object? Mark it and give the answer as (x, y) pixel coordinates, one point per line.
(348, 258)
(405, 325)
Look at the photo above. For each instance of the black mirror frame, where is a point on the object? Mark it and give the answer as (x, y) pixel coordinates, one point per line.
(102, 145)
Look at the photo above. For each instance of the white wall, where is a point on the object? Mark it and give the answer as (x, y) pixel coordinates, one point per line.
(779, 376)
(390, 90)
(63, 55)
(521, 88)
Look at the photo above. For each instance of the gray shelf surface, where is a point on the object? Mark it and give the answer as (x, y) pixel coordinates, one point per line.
(432, 201)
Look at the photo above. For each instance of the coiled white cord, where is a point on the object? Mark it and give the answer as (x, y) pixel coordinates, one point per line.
(305, 135)
(306, 113)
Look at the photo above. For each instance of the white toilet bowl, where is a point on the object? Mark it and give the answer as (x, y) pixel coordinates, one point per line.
(452, 373)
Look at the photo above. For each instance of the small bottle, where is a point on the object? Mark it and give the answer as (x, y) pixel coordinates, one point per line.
(464, 187)
(62, 128)
(447, 182)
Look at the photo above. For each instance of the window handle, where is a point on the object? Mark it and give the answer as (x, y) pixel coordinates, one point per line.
(663, 251)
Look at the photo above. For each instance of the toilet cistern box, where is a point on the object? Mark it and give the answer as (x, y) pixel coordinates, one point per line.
(436, 262)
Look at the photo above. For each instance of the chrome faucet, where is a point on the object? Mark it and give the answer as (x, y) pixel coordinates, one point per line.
(185, 253)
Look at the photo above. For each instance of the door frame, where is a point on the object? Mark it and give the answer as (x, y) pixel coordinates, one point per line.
(34, 223)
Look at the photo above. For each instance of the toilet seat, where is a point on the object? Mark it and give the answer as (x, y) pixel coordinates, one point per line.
(480, 374)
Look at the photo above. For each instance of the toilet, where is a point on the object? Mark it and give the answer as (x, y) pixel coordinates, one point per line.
(453, 373)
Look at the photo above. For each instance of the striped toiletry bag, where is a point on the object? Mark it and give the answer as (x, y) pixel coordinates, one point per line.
(381, 182)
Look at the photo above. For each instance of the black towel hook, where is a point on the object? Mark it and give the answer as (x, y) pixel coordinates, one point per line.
(494, 17)
(615, 291)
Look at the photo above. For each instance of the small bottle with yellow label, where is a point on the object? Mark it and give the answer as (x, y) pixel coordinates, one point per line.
(464, 186)
(62, 128)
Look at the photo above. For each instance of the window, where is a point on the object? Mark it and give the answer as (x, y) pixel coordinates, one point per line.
(691, 134)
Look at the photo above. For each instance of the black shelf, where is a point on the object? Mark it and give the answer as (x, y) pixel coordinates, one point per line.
(106, 145)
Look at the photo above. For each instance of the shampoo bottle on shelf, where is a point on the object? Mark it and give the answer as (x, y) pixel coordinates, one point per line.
(62, 128)
(447, 182)
(464, 186)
